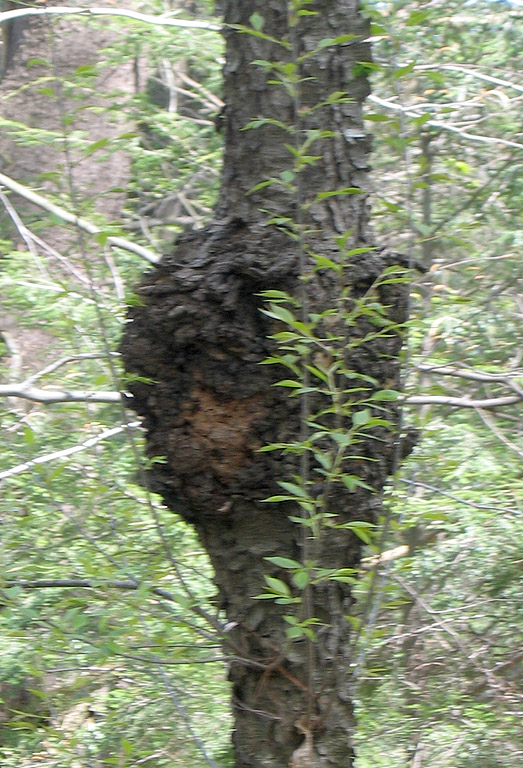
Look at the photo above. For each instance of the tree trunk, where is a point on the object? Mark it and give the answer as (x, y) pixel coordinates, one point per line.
(199, 337)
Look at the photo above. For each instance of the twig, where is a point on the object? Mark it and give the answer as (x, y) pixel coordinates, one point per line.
(412, 112)
(38, 395)
(56, 455)
(461, 402)
(465, 373)
(86, 226)
(449, 495)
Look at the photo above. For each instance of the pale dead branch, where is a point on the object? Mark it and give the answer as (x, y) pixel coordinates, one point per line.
(63, 454)
(163, 20)
(413, 112)
(71, 218)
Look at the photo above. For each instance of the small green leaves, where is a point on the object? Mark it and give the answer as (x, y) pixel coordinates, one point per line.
(278, 591)
(300, 629)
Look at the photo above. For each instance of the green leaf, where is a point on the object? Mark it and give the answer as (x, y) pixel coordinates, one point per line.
(354, 621)
(288, 383)
(285, 336)
(283, 562)
(316, 372)
(96, 145)
(400, 71)
(323, 262)
(361, 529)
(296, 631)
(361, 417)
(328, 41)
(297, 490)
(336, 192)
(126, 746)
(277, 498)
(281, 295)
(385, 394)
(416, 17)
(378, 117)
(351, 482)
(277, 585)
(301, 579)
(278, 312)
(102, 237)
(257, 21)
(287, 176)
(29, 435)
(45, 91)
(422, 119)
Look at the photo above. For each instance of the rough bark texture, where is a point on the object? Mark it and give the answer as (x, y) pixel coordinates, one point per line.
(200, 336)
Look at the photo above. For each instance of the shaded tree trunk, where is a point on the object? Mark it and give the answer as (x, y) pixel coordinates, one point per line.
(199, 336)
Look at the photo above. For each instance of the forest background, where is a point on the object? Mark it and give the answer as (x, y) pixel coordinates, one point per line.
(114, 120)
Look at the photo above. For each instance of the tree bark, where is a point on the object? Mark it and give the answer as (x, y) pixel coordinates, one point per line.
(199, 337)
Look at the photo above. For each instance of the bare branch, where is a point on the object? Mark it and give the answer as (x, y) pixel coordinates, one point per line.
(14, 351)
(38, 395)
(449, 495)
(87, 226)
(488, 421)
(163, 20)
(59, 363)
(472, 72)
(469, 373)
(368, 563)
(57, 455)
(124, 584)
(462, 402)
(22, 229)
(412, 112)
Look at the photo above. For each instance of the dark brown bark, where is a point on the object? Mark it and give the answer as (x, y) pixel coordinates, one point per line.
(200, 336)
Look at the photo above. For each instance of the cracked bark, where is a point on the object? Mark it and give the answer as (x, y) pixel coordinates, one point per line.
(199, 336)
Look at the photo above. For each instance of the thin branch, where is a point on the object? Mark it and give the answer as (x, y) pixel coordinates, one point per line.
(487, 420)
(468, 202)
(20, 226)
(123, 584)
(368, 563)
(452, 496)
(490, 676)
(14, 351)
(412, 112)
(58, 364)
(38, 395)
(56, 455)
(163, 20)
(87, 226)
(475, 375)
(472, 72)
(462, 402)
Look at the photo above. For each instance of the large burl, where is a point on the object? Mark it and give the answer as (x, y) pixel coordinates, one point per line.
(197, 336)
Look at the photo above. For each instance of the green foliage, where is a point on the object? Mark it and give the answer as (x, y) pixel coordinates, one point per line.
(437, 662)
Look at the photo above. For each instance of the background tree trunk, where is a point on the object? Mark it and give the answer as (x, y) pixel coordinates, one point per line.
(199, 335)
